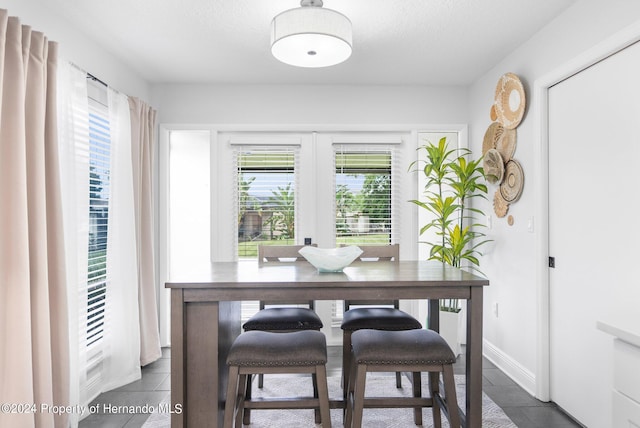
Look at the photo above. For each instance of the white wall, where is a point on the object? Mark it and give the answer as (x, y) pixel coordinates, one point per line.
(309, 104)
(77, 48)
(513, 263)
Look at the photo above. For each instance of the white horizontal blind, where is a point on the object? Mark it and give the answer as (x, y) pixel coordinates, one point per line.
(99, 178)
(95, 288)
(366, 198)
(265, 201)
(364, 195)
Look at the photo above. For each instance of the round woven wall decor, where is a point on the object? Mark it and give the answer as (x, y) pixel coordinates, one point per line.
(500, 206)
(513, 182)
(510, 100)
(506, 144)
(491, 137)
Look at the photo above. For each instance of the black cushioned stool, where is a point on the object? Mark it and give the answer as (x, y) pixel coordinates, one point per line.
(411, 351)
(262, 352)
(382, 318)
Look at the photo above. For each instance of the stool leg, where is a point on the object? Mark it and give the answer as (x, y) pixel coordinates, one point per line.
(246, 413)
(450, 393)
(347, 415)
(314, 379)
(417, 392)
(346, 359)
(358, 395)
(243, 381)
(398, 379)
(323, 396)
(434, 388)
(260, 380)
(232, 395)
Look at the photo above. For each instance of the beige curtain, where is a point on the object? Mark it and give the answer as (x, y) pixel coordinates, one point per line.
(143, 122)
(34, 339)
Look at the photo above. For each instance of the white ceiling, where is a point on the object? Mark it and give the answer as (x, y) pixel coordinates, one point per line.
(395, 42)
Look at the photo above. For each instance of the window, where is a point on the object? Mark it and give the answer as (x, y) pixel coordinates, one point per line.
(363, 195)
(99, 192)
(265, 198)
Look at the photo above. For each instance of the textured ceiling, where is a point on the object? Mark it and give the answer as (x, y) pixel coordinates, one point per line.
(395, 42)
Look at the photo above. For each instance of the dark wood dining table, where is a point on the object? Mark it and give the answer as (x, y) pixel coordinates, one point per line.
(205, 319)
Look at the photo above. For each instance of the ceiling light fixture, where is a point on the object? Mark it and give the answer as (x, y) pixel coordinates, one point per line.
(310, 36)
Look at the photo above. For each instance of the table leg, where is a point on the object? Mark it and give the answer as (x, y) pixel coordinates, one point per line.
(473, 405)
(178, 351)
(202, 361)
(433, 322)
(202, 333)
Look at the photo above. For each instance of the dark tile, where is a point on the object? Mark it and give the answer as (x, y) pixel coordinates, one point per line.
(497, 378)
(518, 417)
(165, 385)
(549, 416)
(486, 364)
(104, 421)
(136, 421)
(110, 402)
(511, 396)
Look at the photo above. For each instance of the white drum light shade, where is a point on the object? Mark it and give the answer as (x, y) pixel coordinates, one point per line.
(311, 36)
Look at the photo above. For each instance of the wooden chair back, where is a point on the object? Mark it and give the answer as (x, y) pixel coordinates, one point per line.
(270, 254)
(280, 253)
(382, 253)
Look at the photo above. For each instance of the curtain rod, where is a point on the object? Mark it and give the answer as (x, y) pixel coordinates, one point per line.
(95, 79)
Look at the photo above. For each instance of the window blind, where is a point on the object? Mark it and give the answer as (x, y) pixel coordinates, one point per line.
(99, 192)
(364, 200)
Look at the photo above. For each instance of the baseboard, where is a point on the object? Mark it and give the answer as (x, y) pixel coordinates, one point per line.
(519, 374)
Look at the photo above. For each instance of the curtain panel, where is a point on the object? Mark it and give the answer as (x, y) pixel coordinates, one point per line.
(143, 124)
(45, 163)
(34, 340)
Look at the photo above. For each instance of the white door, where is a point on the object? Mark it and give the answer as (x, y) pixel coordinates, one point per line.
(594, 154)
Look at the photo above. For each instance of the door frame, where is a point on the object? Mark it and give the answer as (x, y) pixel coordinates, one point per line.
(540, 107)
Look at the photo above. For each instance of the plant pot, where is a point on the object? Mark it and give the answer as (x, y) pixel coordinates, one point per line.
(449, 329)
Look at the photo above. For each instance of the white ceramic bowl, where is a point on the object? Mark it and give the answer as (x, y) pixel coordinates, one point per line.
(330, 259)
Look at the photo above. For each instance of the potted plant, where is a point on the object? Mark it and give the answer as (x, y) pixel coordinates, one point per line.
(452, 182)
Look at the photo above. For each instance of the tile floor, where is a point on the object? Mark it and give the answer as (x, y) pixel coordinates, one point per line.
(154, 387)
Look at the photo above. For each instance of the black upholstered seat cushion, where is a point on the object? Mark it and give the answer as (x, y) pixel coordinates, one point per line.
(400, 347)
(379, 319)
(288, 318)
(264, 349)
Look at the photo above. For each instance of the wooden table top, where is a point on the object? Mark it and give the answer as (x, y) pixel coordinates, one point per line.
(408, 278)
